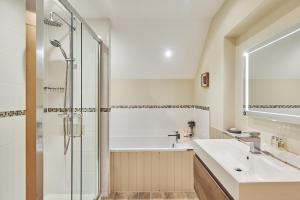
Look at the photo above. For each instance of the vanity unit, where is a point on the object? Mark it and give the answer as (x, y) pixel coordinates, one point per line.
(225, 169)
(206, 184)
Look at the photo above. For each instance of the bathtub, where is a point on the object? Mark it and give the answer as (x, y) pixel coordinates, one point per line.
(149, 164)
(136, 144)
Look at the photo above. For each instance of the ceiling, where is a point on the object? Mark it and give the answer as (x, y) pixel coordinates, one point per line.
(153, 39)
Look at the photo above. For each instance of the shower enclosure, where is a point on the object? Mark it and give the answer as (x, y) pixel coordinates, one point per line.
(69, 86)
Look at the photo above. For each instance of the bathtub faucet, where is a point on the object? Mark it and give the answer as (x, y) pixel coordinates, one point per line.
(177, 135)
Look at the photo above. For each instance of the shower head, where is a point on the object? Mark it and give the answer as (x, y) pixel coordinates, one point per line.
(52, 22)
(57, 44)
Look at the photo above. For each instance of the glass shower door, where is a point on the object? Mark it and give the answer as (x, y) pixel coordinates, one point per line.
(85, 142)
(70, 120)
(57, 102)
(90, 145)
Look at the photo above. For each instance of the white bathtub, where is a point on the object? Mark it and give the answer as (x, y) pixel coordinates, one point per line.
(135, 144)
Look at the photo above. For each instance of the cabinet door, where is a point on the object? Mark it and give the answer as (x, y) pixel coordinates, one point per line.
(205, 185)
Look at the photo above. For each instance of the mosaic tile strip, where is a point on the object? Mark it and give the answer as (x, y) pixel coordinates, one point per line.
(202, 107)
(12, 113)
(69, 110)
(126, 107)
(105, 109)
(54, 89)
(158, 106)
(273, 106)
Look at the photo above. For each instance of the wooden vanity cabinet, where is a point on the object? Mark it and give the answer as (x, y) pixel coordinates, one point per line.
(206, 185)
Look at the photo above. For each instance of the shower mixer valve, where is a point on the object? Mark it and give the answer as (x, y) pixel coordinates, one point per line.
(77, 129)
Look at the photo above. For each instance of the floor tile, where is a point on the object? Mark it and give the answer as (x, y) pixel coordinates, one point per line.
(191, 195)
(121, 196)
(152, 196)
(158, 196)
(133, 195)
(175, 195)
(144, 195)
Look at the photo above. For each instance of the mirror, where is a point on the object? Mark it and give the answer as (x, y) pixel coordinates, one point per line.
(272, 78)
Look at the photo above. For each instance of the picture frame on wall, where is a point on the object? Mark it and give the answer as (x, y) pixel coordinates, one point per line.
(205, 80)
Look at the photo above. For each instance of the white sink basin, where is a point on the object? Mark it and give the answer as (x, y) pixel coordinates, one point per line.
(246, 175)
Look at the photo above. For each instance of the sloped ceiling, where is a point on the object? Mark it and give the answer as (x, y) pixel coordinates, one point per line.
(154, 39)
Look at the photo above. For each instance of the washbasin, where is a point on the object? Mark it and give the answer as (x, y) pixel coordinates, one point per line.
(243, 173)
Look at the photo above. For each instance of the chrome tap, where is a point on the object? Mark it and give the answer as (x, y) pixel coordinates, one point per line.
(177, 135)
(254, 141)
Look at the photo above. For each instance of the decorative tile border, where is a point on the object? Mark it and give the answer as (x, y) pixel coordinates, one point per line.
(12, 113)
(50, 110)
(55, 89)
(158, 106)
(273, 106)
(202, 107)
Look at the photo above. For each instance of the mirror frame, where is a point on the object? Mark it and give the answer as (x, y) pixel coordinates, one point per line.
(294, 119)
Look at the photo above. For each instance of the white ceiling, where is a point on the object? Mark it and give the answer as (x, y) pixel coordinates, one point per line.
(143, 30)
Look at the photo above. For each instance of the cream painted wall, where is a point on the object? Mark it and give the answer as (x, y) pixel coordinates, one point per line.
(236, 27)
(151, 92)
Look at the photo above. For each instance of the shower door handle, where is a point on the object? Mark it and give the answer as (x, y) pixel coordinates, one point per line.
(77, 125)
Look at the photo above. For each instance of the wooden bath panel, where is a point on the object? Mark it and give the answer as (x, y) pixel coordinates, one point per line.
(152, 171)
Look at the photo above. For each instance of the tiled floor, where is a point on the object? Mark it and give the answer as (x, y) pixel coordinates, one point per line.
(152, 196)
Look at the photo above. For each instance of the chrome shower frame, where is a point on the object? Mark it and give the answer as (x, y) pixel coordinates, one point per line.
(40, 68)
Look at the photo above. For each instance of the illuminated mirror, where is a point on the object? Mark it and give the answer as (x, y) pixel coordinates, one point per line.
(272, 78)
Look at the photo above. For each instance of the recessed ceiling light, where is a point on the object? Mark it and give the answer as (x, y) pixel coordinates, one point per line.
(168, 53)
